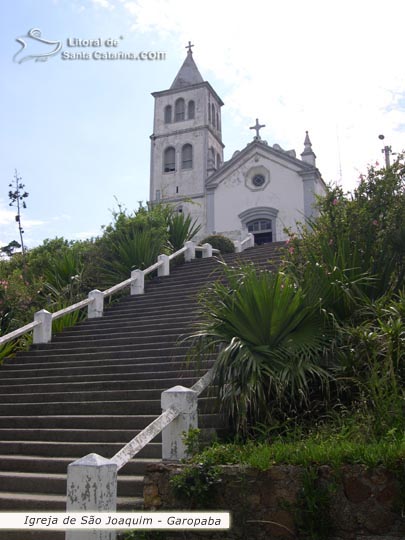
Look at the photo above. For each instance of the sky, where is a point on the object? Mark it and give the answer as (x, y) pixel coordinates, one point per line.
(77, 130)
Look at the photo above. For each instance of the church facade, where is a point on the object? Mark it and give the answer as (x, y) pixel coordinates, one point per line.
(262, 189)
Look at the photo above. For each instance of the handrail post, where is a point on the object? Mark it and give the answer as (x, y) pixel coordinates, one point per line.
(185, 400)
(96, 307)
(189, 254)
(91, 487)
(251, 242)
(207, 250)
(164, 269)
(138, 283)
(238, 246)
(43, 332)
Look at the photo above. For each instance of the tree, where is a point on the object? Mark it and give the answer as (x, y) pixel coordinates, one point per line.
(17, 198)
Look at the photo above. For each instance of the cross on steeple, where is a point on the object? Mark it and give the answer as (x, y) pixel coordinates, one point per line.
(257, 127)
(189, 47)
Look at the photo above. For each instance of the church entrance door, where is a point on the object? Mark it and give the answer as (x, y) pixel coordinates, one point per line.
(262, 230)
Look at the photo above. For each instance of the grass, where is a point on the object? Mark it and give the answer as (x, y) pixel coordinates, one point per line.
(309, 451)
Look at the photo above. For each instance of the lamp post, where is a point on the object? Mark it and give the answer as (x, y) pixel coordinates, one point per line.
(387, 151)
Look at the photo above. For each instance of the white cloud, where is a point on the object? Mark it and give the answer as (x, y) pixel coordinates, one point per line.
(106, 4)
(328, 68)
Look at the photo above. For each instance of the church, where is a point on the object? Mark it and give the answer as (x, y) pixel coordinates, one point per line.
(262, 189)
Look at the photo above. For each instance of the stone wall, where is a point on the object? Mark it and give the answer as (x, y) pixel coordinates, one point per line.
(361, 504)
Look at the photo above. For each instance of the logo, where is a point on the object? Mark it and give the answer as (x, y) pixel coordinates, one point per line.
(35, 47)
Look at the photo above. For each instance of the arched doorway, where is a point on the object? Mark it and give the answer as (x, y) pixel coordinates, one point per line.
(261, 221)
(262, 230)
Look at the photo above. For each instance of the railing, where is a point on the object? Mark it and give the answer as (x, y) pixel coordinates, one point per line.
(92, 480)
(42, 324)
(179, 405)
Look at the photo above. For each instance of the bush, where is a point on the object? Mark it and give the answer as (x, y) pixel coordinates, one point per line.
(220, 242)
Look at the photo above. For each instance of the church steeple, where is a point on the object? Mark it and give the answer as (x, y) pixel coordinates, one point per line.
(186, 144)
(308, 154)
(188, 74)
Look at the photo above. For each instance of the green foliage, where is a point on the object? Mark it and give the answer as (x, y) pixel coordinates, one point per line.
(181, 228)
(192, 441)
(220, 242)
(195, 485)
(269, 341)
(312, 514)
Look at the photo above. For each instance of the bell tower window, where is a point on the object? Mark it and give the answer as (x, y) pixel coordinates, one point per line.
(169, 164)
(191, 110)
(168, 114)
(179, 110)
(187, 157)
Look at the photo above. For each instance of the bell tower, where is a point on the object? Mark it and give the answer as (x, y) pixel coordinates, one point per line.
(186, 144)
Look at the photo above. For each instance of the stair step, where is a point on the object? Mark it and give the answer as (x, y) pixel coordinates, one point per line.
(74, 449)
(59, 465)
(105, 385)
(150, 406)
(125, 422)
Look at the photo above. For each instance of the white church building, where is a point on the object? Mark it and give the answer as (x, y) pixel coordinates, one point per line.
(262, 189)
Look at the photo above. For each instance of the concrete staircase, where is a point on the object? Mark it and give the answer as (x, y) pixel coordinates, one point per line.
(97, 384)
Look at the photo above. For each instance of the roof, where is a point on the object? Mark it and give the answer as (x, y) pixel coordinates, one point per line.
(188, 74)
(261, 146)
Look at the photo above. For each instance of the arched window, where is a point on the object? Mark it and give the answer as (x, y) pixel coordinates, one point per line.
(209, 113)
(213, 114)
(187, 157)
(179, 110)
(169, 164)
(218, 161)
(217, 121)
(191, 110)
(168, 114)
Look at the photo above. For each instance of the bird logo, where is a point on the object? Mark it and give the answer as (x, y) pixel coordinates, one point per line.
(35, 47)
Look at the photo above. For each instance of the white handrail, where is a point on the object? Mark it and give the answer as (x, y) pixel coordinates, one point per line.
(118, 287)
(152, 268)
(70, 309)
(177, 253)
(134, 446)
(91, 301)
(19, 332)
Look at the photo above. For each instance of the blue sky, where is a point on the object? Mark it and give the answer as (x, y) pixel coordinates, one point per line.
(78, 131)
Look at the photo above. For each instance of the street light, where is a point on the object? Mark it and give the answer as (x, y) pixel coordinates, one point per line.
(387, 150)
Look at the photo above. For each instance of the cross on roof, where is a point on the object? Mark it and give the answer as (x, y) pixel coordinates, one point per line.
(189, 47)
(257, 127)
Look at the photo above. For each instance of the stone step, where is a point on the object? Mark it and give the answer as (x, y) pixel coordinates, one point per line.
(70, 435)
(131, 335)
(131, 338)
(75, 450)
(106, 325)
(59, 465)
(51, 484)
(28, 360)
(134, 407)
(80, 347)
(125, 422)
(82, 396)
(44, 502)
(114, 370)
(178, 372)
(105, 385)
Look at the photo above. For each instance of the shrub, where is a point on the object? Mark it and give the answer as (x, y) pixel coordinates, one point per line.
(220, 242)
